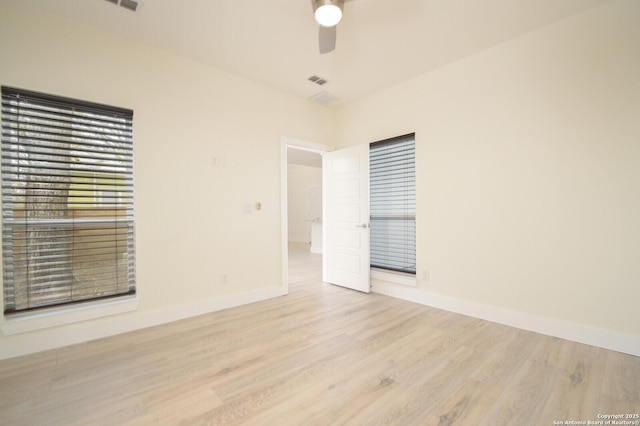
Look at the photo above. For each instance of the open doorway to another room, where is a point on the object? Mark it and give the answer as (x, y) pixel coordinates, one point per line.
(302, 232)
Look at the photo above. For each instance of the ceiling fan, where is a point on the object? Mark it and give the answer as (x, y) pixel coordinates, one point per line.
(327, 13)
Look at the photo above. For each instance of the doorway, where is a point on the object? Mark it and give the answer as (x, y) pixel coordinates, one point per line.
(301, 222)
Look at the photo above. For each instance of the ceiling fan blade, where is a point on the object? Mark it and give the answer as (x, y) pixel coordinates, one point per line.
(327, 39)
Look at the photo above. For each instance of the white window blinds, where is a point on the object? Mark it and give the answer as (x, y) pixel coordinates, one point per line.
(393, 204)
(67, 201)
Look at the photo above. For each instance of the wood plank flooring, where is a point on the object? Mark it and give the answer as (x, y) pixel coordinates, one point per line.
(322, 355)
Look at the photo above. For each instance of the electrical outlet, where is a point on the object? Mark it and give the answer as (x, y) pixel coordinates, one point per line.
(225, 279)
(425, 276)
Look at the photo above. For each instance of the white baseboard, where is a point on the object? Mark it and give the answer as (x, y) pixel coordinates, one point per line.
(603, 338)
(27, 343)
(51, 338)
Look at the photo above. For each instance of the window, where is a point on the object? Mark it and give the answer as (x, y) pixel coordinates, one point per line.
(393, 204)
(67, 201)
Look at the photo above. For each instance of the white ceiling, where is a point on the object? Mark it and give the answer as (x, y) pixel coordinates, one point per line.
(303, 157)
(380, 42)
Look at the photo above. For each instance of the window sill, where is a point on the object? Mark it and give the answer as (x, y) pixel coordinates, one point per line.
(53, 317)
(393, 277)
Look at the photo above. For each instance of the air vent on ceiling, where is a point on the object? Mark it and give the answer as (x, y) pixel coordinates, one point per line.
(317, 80)
(131, 5)
(323, 98)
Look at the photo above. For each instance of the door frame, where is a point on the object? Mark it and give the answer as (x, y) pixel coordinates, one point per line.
(285, 143)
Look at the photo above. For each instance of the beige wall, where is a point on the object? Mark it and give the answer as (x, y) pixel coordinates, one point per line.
(528, 165)
(190, 225)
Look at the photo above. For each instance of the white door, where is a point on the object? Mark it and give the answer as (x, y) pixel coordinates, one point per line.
(345, 189)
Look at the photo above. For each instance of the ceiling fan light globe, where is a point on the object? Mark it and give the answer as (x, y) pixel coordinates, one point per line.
(328, 15)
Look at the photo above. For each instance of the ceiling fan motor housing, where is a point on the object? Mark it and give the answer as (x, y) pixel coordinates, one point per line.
(327, 12)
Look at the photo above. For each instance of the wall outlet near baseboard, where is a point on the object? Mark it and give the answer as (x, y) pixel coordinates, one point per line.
(426, 276)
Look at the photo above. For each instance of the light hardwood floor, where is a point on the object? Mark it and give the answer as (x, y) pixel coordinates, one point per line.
(322, 355)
